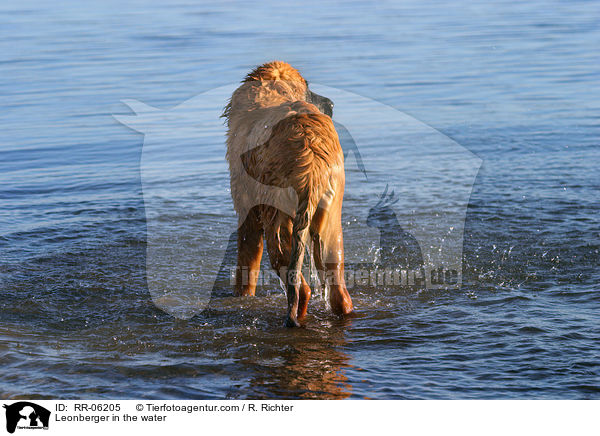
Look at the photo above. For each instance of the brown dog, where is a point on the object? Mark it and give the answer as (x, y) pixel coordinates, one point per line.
(287, 182)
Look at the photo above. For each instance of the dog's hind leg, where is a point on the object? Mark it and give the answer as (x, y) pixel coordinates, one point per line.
(250, 248)
(279, 240)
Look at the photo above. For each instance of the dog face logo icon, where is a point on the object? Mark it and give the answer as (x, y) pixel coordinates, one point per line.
(26, 415)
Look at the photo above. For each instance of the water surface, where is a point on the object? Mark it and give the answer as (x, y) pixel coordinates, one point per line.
(514, 83)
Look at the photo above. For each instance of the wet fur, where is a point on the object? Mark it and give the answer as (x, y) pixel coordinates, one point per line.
(287, 183)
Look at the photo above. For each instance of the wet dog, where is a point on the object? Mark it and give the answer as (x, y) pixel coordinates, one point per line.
(287, 183)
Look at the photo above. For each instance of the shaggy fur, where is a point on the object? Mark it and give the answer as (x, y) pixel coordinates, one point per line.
(287, 182)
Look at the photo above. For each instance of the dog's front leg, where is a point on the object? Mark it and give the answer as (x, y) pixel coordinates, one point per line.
(250, 248)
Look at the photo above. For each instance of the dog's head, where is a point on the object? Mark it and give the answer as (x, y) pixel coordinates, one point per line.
(275, 74)
(324, 104)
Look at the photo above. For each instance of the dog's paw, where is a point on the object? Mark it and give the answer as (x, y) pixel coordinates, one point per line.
(291, 322)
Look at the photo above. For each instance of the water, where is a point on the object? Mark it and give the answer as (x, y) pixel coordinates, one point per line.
(514, 83)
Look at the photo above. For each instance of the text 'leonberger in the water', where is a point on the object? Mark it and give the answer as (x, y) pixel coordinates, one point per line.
(287, 182)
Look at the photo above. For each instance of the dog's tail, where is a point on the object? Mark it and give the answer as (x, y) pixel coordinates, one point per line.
(301, 224)
(312, 149)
